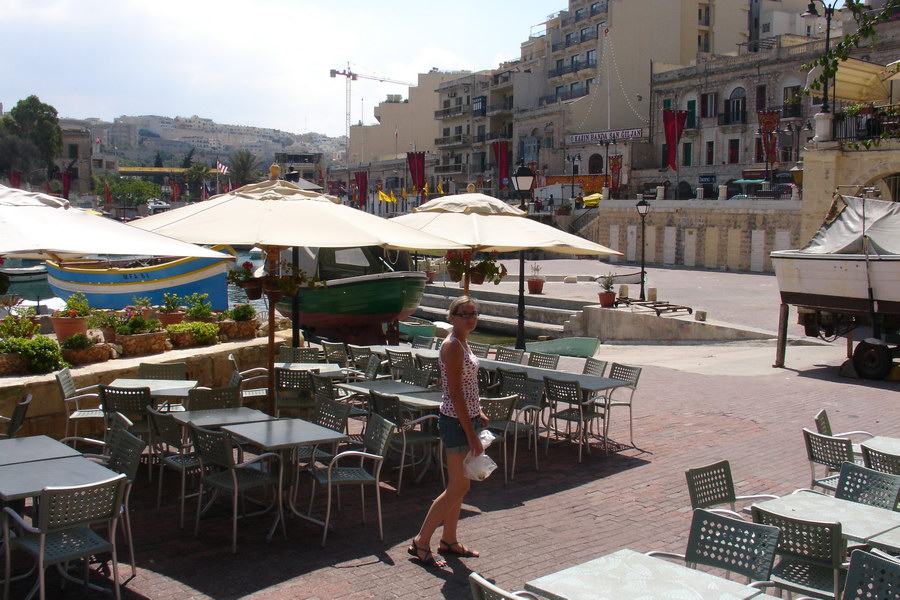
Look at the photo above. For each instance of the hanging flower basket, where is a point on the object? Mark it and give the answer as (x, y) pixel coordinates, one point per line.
(455, 273)
(476, 276)
(253, 287)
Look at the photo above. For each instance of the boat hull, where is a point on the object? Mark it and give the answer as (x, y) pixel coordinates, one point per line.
(107, 285)
(569, 346)
(838, 282)
(24, 274)
(412, 327)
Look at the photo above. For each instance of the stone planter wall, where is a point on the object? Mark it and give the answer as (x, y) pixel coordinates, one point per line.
(144, 343)
(237, 330)
(12, 364)
(183, 339)
(96, 353)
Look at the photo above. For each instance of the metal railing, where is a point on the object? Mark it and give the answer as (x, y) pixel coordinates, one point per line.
(733, 117)
(871, 124)
(452, 112)
(452, 140)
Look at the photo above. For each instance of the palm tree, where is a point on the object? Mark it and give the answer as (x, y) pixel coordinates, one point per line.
(195, 174)
(244, 165)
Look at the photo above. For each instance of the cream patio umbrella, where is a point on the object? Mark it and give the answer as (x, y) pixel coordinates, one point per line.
(485, 223)
(278, 214)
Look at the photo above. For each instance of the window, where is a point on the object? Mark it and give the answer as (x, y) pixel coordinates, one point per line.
(667, 104)
(445, 132)
(766, 27)
(761, 102)
(575, 89)
(73, 150)
(575, 61)
(687, 154)
(664, 156)
(791, 94)
(691, 121)
(579, 14)
(735, 107)
(591, 57)
(759, 155)
(560, 90)
(560, 65)
(708, 104)
(479, 106)
(710, 153)
(588, 84)
(571, 38)
(734, 151)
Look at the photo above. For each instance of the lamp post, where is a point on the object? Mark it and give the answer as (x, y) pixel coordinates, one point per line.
(762, 142)
(812, 12)
(605, 144)
(522, 180)
(643, 207)
(572, 158)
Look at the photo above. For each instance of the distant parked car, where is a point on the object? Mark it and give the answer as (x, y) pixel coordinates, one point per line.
(739, 197)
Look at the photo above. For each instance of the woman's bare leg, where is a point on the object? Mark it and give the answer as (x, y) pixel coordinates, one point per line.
(446, 507)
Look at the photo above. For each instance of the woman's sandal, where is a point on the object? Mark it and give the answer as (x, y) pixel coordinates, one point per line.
(448, 548)
(429, 561)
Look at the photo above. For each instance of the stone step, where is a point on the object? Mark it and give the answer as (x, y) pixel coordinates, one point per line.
(507, 308)
(497, 324)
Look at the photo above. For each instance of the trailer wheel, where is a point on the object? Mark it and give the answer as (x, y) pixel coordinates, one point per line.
(872, 361)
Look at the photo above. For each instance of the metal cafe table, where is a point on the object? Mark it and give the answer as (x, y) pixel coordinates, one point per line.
(385, 386)
(159, 388)
(590, 384)
(881, 443)
(33, 448)
(28, 479)
(283, 436)
(327, 369)
(629, 575)
(217, 417)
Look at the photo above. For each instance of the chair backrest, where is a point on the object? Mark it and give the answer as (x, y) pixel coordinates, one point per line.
(236, 379)
(67, 507)
(323, 386)
(162, 370)
(510, 355)
(478, 349)
(735, 545)
(881, 461)
(625, 373)
(422, 341)
(213, 448)
(823, 424)
(234, 362)
(373, 365)
(330, 414)
(543, 360)
(211, 398)
(118, 422)
(868, 486)
(400, 359)
(17, 419)
(335, 352)
(499, 409)
(66, 383)
(484, 380)
(166, 430)
(827, 450)
(815, 542)
(125, 450)
(378, 434)
(429, 363)
(305, 354)
(387, 406)
(510, 381)
(872, 576)
(532, 394)
(482, 589)
(710, 485)
(568, 392)
(417, 376)
(593, 366)
(131, 402)
(296, 381)
(359, 355)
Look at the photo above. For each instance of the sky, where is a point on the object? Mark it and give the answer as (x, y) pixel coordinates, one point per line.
(263, 63)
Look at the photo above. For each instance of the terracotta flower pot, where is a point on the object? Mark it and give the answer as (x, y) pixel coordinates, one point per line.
(429, 276)
(253, 288)
(535, 286)
(476, 276)
(170, 318)
(607, 299)
(455, 273)
(65, 327)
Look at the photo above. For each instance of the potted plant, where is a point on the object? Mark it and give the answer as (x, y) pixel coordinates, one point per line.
(243, 276)
(287, 281)
(139, 336)
(171, 310)
(456, 263)
(488, 270)
(39, 354)
(17, 326)
(73, 318)
(80, 349)
(535, 281)
(565, 208)
(428, 267)
(106, 321)
(193, 333)
(199, 308)
(142, 303)
(240, 323)
(607, 296)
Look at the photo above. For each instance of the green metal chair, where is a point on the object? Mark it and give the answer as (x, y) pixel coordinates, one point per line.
(711, 485)
(809, 554)
(75, 400)
(335, 352)
(220, 471)
(510, 355)
(399, 360)
(734, 545)
(871, 576)
(567, 403)
(482, 589)
(478, 349)
(881, 461)
(373, 368)
(593, 366)
(612, 399)
(868, 486)
(293, 391)
(420, 377)
(305, 354)
(390, 408)
(359, 356)
(543, 360)
(172, 451)
(823, 426)
(212, 398)
(253, 382)
(61, 530)
(422, 341)
(429, 363)
(499, 412)
(130, 402)
(331, 415)
(379, 432)
(828, 451)
(163, 371)
(15, 421)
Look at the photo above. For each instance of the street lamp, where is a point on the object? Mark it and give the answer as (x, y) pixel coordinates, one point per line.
(811, 12)
(522, 180)
(643, 207)
(573, 158)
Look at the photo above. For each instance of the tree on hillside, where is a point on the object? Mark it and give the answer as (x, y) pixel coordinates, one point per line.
(244, 165)
(195, 175)
(188, 159)
(37, 123)
(17, 153)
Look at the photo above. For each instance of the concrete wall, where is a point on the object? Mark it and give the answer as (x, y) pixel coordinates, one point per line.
(623, 325)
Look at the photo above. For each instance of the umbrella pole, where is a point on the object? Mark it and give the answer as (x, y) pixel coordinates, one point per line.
(466, 278)
(272, 253)
(520, 327)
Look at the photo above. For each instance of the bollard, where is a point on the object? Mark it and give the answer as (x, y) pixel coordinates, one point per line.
(651, 294)
(700, 315)
(623, 291)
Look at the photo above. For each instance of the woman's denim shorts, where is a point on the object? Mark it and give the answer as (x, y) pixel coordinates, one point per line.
(453, 435)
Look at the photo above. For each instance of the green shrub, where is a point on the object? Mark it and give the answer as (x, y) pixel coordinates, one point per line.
(76, 306)
(141, 301)
(204, 333)
(243, 312)
(135, 323)
(42, 354)
(171, 303)
(104, 319)
(77, 341)
(198, 306)
(13, 326)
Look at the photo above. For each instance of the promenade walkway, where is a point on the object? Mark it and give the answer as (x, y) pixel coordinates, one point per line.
(694, 406)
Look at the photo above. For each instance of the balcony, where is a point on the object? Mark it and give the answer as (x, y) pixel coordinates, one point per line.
(498, 135)
(869, 126)
(452, 140)
(571, 68)
(452, 112)
(601, 8)
(450, 169)
(505, 106)
(734, 117)
(790, 111)
(569, 95)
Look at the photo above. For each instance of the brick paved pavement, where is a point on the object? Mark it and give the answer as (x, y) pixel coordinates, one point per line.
(543, 521)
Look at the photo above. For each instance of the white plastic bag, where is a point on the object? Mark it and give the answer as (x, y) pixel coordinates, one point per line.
(478, 468)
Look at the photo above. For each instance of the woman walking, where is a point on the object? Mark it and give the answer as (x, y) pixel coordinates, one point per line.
(459, 424)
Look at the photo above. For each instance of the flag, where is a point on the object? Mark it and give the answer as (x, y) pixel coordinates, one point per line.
(768, 123)
(425, 189)
(383, 197)
(501, 154)
(440, 188)
(403, 193)
(673, 124)
(221, 168)
(108, 193)
(393, 197)
(416, 162)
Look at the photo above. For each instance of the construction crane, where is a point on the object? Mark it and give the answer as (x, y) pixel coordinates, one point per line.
(351, 76)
